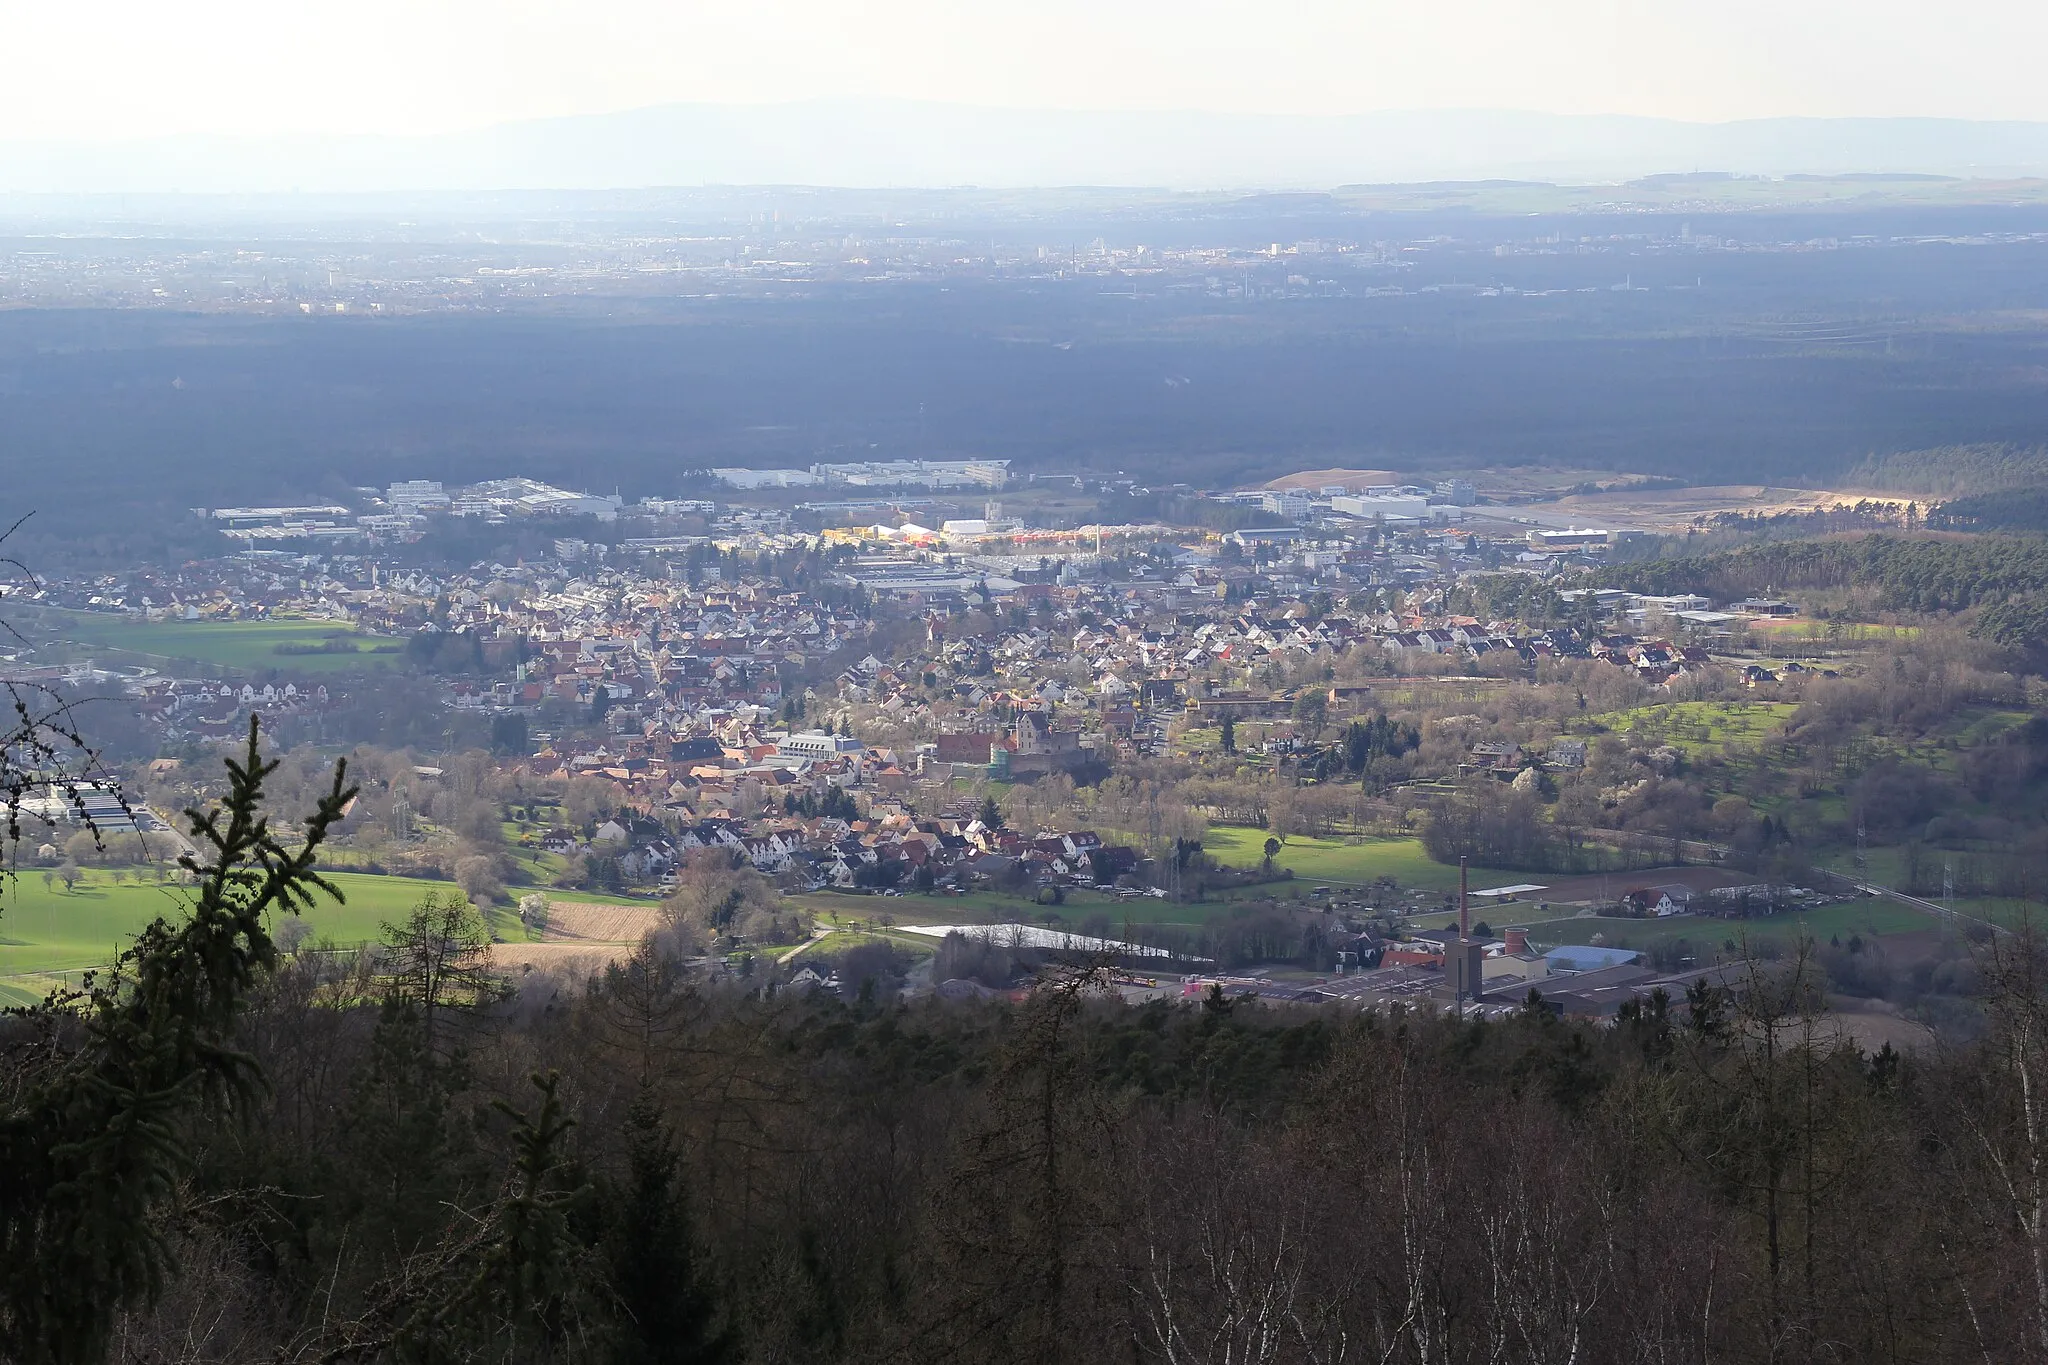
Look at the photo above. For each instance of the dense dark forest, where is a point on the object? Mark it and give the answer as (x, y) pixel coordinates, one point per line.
(2020, 508)
(114, 421)
(237, 1152)
(1964, 473)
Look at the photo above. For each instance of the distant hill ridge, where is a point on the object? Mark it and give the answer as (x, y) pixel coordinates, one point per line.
(902, 143)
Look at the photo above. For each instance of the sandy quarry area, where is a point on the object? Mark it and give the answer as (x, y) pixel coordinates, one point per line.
(1625, 504)
(1677, 508)
(1351, 479)
(1545, 481)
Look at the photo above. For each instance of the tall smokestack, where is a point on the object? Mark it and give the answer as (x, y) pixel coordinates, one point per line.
(1466, 963)
(1464, 902)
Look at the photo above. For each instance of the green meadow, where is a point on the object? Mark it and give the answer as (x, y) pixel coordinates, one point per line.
(1346, 861)
(1708, 938)
(242, 646)
(48, 934)
(1694, 727)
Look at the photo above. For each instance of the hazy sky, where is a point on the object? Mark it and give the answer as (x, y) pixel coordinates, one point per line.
(122, 68)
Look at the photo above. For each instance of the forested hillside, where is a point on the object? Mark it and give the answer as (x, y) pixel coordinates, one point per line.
(2004, 574)
(1953, 471)
(2016, 509)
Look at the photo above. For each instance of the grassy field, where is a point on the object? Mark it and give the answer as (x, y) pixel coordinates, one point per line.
(845, 940)
(1709, 938)
(976, 906)
(1494, 917)
(837, 907)
(1697, 726)
(244, 646)
(1332, 862)
(48, 933)
(1835, 633)
(1081, 905)
(1347, 861)
(1974, 725)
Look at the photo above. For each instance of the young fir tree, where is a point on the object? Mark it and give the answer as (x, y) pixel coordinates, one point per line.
(402, 1142)
(439, 960)
(665, 1315)
(94, 1126)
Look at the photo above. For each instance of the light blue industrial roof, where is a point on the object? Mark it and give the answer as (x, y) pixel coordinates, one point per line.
(1590, 959)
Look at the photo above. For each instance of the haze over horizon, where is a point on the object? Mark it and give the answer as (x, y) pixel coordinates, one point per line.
(233, 67)
(863, 142)
(230, 96)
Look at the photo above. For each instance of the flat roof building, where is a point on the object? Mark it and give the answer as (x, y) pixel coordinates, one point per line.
(817, 744)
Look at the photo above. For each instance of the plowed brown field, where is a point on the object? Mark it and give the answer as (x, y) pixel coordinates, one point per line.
(580, 921)
(579, 958)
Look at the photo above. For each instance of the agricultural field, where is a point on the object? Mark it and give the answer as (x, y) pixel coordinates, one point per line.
(512, 959)
(599, 922)
(1709, 937)
(581, 936)
(1506, 915)
(1347, 862)
(293, 646)
(48, 934)
(836, 907)
(1080, 906)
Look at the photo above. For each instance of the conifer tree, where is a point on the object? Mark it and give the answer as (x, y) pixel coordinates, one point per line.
(93, 1133)
(666, 1317)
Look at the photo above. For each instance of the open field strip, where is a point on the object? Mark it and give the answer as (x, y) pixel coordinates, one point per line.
(48, 934)
(1708, 938)
(247, 646)
(1351, 862)
(1697, 726)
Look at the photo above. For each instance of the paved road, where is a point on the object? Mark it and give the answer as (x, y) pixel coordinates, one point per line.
(174, 828)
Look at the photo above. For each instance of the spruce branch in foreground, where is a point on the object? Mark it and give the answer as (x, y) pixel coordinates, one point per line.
(100, 1083)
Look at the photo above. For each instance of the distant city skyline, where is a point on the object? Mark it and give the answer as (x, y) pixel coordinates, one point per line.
(129, 70)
